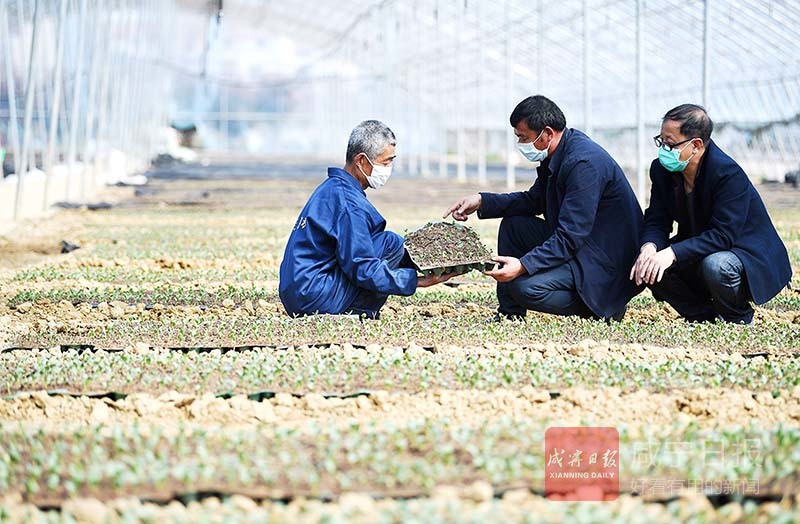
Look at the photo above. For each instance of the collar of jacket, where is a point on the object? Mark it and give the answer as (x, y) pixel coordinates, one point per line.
(677, 177)
(558, 154)
(337, 172)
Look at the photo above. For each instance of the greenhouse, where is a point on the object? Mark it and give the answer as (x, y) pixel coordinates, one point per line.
(283, 261)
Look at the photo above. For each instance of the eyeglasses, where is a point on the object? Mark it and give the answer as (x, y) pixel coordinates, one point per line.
(669, 147)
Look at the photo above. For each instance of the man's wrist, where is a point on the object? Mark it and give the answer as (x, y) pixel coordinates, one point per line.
(655, 247)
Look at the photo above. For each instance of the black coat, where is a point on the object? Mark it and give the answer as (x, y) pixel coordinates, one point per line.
(729, 216)
(594, 215)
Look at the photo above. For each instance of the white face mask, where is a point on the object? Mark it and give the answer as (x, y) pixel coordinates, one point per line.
(380, 174)
(530, 152)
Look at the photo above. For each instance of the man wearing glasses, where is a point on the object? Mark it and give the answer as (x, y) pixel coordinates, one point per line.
(726, 252)
(574, 260)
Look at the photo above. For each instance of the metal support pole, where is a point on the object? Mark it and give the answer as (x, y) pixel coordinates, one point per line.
(224, 98)
(706, 53)
(103, 133)
(114, 102)
(102, 143)
(393, 82)
(129, 145)
(55, 106)
(443, 149)
(122, 105)
(640, 138)
(423, 129)
(91, 107)
(13, 117)
(540, 48)
(461, 154)
(164, 17)
(26, 51)
(39, 84)
(480, 129)
(587, 81)
(30, 88)
(149, 130)
(511, 139)
(151, 123)
(791, 89)
(136, 132)
(57, 86)
(137, 148)
(76, 99)
(440, 84)
(411, 20)
(461, 159)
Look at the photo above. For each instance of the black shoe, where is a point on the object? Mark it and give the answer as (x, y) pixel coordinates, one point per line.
(619, 315)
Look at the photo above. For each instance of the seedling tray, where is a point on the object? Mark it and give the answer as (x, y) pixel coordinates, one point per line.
(440, 248)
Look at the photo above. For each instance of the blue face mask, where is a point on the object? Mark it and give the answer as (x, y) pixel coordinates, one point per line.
(671, 160)
(530, 152)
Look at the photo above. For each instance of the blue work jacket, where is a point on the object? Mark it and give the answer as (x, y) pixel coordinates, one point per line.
(729, 216)
(594, 217)
(335, 249)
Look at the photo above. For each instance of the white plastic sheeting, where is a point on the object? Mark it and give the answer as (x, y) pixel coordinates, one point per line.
(445, 75)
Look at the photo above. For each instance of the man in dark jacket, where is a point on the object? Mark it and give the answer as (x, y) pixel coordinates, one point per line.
(575, 260)
(339, 257)
(726, 252)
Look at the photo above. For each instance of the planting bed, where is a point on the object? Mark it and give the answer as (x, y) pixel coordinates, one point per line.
(152, 375)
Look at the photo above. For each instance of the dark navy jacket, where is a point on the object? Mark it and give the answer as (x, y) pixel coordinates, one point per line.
(333, 251)
(594, 215)
(729, 216)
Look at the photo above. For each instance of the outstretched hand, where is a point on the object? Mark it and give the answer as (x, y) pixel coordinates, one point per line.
(432, 280)
(512, 268)
(464, 207)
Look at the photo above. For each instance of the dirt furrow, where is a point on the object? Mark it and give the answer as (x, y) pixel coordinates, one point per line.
(445, 504)
(576, 406)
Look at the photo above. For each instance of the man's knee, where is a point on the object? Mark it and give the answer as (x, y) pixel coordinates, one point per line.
(390, 247)
(396, 258)
(529, 290)
(387, 243)
(722, 267)
(548, 295)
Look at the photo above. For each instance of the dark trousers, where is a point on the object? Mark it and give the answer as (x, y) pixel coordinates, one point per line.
(551, 291)
(369, 303)
(714, 287)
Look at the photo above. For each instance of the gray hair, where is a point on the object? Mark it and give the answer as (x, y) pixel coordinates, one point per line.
(370, 137)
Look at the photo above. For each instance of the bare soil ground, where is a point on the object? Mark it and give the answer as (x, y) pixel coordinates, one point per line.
(185, 265)
(572, 406)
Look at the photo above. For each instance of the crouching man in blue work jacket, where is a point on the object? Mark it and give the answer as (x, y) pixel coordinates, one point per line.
(574, 261)
(726, 252)
(339, 258)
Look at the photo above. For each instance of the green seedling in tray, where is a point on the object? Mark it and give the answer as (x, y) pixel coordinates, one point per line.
(440, 248)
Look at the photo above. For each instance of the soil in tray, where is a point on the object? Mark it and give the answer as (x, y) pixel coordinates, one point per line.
(444, 244)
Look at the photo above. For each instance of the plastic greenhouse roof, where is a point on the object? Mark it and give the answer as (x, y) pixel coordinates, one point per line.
(444, 49)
